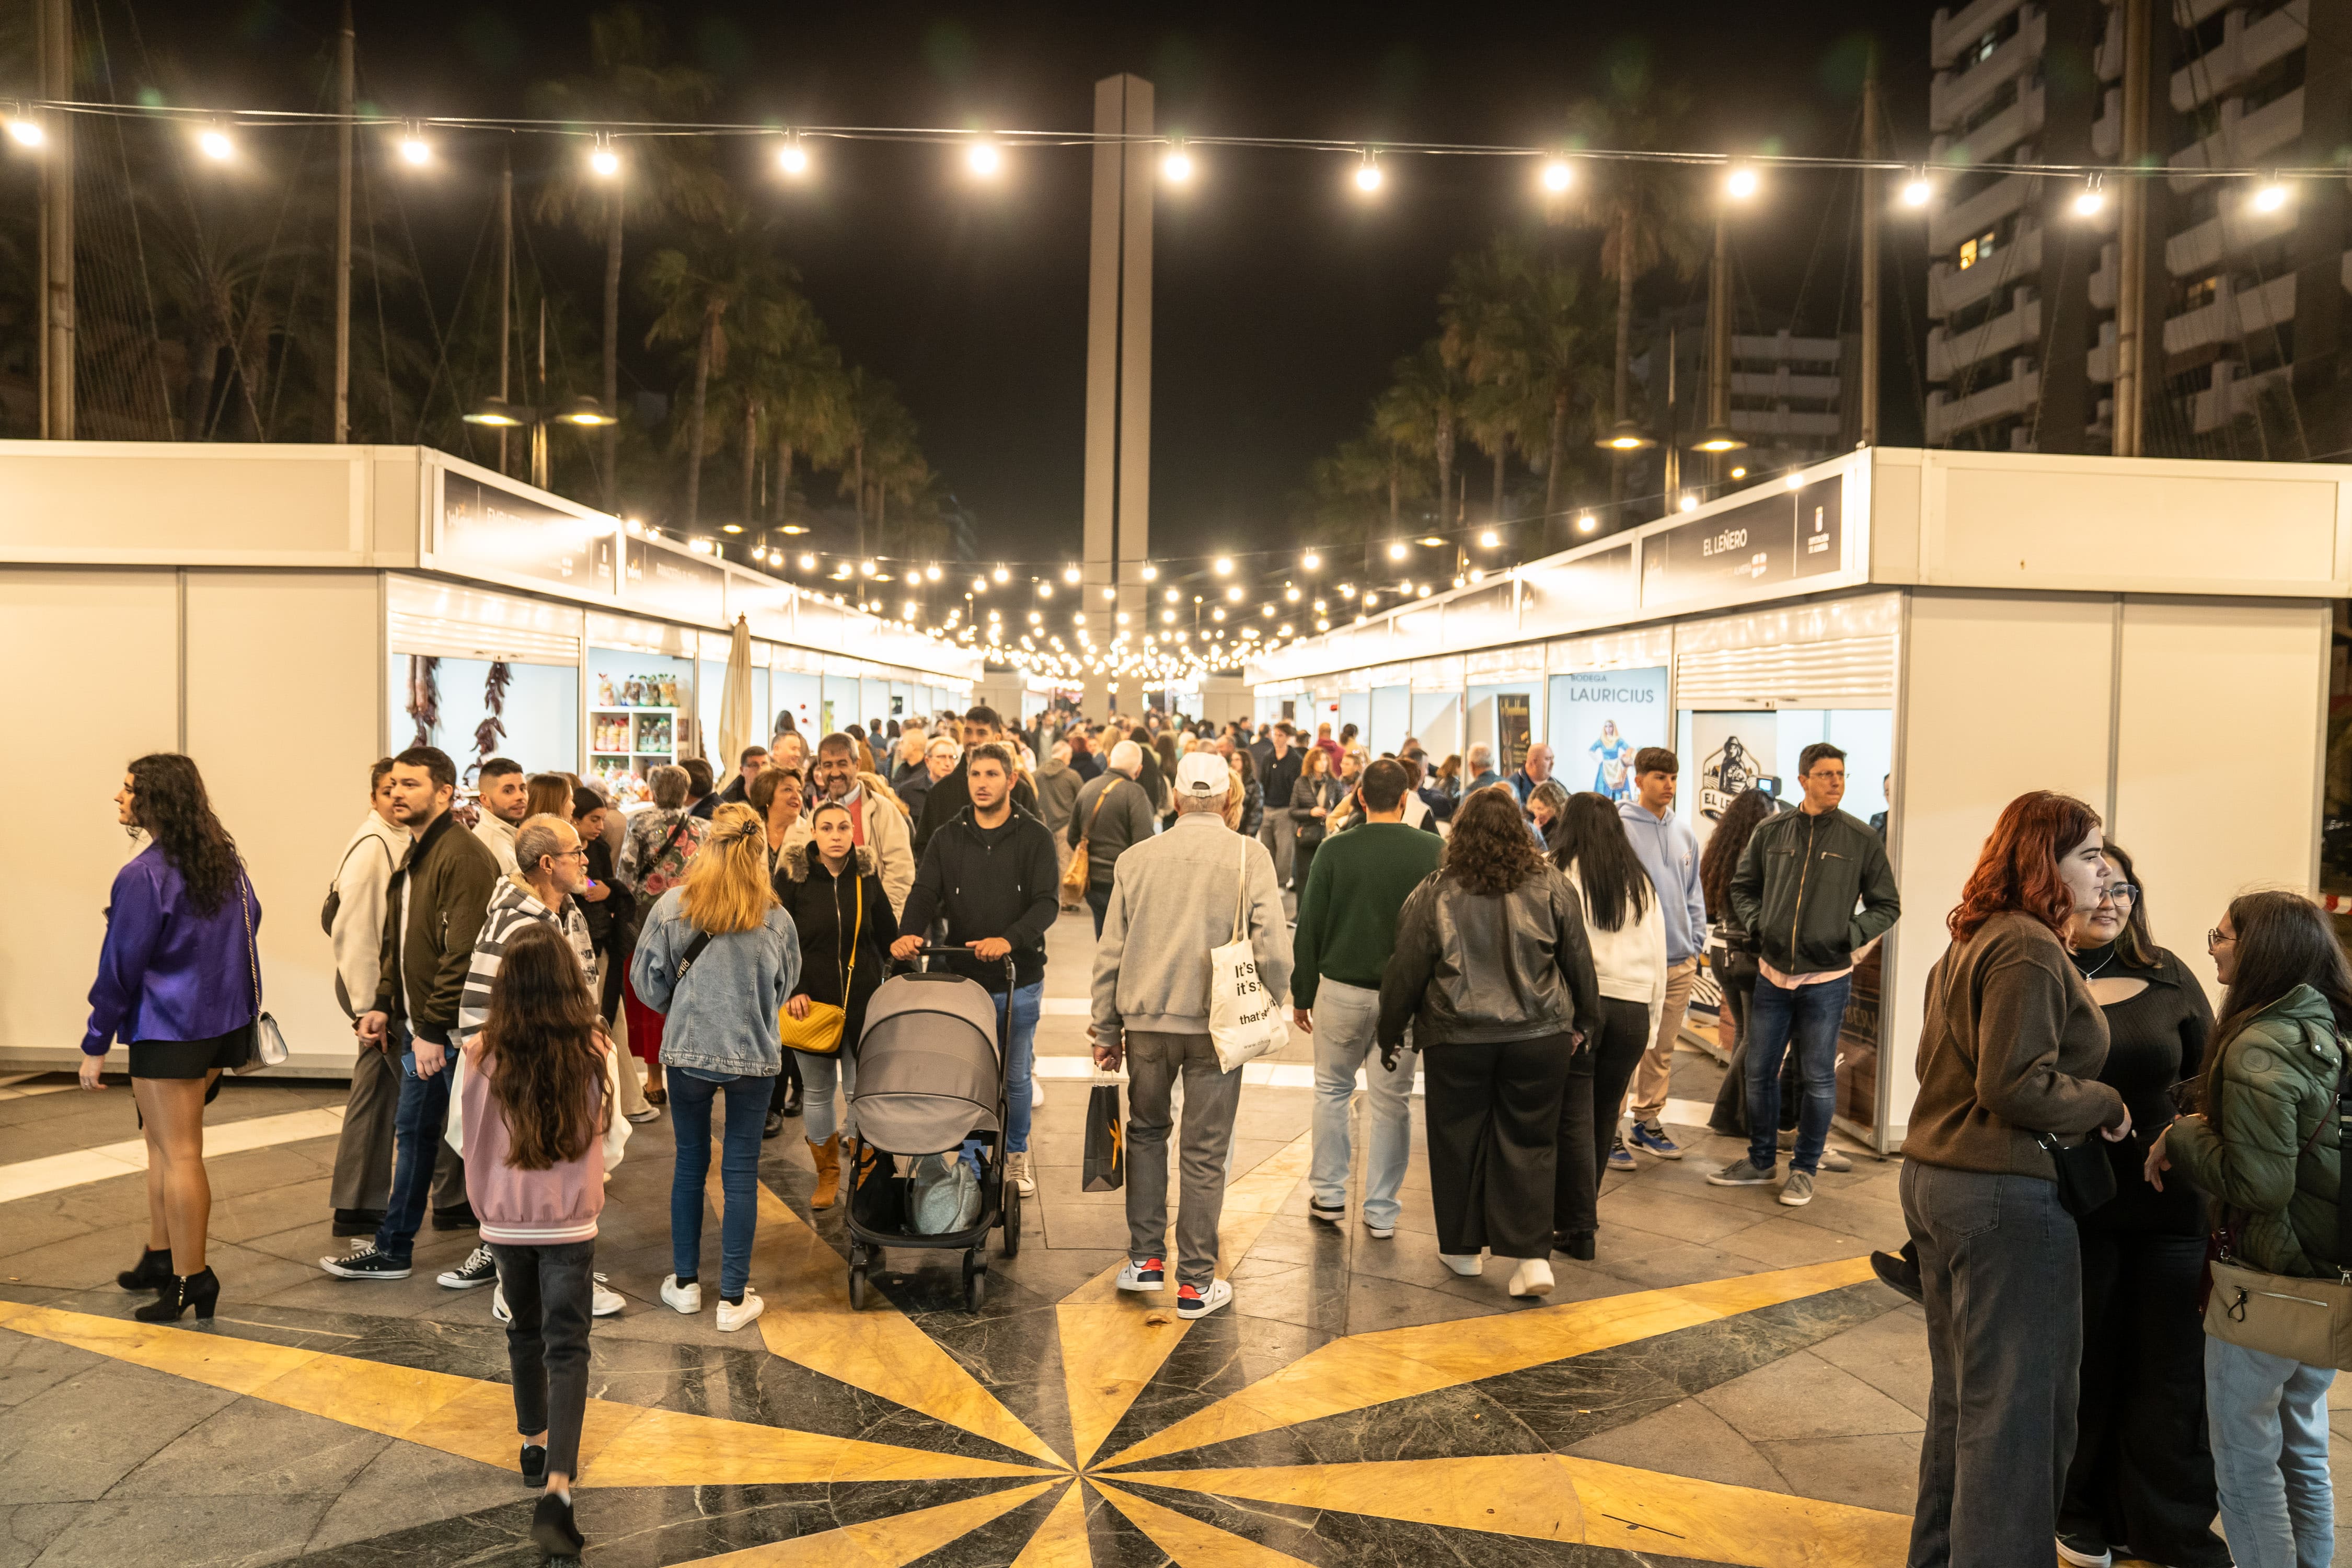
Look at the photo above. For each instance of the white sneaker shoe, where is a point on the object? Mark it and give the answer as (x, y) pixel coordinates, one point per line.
(1016, 1171)
(1532, 1278)
(681, 1297)
(733, 1318)
(603, 1303)
(1191, 1303)
(499, 1311)
(1037, 1090)
(1151, 1274)
(1468, 1266)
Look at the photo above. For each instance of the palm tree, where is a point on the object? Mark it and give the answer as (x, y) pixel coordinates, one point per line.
(726, 264)
(1475, 333)
(667, 174)
(1646, 207)
(1549, 336)
(812, 413)
(1425, 402)
(769, 333)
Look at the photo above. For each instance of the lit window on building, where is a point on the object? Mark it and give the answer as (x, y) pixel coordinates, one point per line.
(1981, 249)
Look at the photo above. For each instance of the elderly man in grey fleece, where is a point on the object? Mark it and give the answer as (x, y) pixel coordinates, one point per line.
(1172, 898)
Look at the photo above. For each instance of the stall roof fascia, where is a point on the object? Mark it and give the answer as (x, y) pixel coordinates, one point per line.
(1905, 517)
(262, 505)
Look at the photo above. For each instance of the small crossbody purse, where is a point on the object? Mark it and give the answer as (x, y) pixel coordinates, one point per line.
(269, 1041)
(819, 1034)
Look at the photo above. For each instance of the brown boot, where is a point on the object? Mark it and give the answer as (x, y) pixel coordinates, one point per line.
(828, 1156)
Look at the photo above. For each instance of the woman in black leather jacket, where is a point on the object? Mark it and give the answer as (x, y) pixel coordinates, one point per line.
(1493, 972)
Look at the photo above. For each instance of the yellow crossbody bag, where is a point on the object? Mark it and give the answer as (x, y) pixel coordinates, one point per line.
(819, 1034)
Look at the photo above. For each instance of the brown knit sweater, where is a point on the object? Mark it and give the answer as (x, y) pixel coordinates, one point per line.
(2012, 1046)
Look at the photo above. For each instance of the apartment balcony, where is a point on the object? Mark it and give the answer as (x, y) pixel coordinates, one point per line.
(2244, 138)
(2201, 247)
(1950, 353)
(2233, 393)
(1782, 383)
(1948, 226)
(1949, 416)
(2104, 286)
(1953, 31)
(1954, 95)
(2235, 314)
(1995, 137)
(2102, 362)
(2107, 54)
(2107, 129)
(1786, 347)
(2243, 51)
(1949, 289)
(1760, 424)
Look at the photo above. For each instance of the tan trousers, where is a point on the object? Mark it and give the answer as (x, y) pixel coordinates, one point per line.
(632, 1071)
(1647, 1096)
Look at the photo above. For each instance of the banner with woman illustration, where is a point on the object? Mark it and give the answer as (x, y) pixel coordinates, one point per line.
(1600, 718)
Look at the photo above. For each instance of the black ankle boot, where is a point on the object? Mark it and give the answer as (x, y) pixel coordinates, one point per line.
(1577, 1244)
(154, 1271)
(180, 1292)
(791, 1106)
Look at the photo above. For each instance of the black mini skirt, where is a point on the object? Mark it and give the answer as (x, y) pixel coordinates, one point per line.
(192, 1059)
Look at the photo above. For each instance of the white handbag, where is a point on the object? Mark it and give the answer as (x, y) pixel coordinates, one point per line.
(1244, 1020)
(269, 1041)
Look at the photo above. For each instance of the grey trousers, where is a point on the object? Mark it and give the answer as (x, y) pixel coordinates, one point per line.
(1154, 1061)
(2002, 1271)
(364, 1147)
(1279, 836)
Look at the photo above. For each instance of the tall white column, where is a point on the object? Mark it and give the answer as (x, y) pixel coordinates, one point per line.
(1118, 373)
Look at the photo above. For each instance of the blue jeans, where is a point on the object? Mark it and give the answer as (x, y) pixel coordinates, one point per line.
(2268, 1417)
(819, 1077)
(1809, 1015)
(1020, 1053)
(691, 1091)
(416, 1129)
(1344, 1016)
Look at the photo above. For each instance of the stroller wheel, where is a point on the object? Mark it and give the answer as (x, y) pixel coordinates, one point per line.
(857, 1287)
(976, 1279)
(1011, 1219)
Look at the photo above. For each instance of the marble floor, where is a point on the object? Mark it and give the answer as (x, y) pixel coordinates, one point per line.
(1724, 1384)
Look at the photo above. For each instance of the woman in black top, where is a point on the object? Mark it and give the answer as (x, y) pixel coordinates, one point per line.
(1733, 965)
(1313, 799)
(2142, 1473)
(1253, 793)
(832, 887)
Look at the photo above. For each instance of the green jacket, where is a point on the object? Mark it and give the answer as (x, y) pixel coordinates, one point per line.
(1347, 913)
(1798, 884)
(2277, 1086)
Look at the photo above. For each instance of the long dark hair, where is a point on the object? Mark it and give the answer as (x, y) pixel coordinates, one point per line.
(169, 803)
(1730, 840)
(538, 1045)
(1593, 839)
(1491, 851)
(2136, 944)
(2283, 940)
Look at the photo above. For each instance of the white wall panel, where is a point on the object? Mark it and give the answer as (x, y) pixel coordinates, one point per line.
(282, 677)
(2221, 720)
(97, 651)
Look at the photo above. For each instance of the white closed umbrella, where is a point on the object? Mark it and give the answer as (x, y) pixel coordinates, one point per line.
(735, 719)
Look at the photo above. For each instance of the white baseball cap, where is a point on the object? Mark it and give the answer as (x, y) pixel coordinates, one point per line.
(1202, 776)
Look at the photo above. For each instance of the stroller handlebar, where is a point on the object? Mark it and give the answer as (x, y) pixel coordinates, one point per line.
(951, 950)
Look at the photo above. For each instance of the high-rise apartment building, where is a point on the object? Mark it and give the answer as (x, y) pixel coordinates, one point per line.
(2242, 310)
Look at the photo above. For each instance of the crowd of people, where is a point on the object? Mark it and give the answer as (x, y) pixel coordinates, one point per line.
(526, 986)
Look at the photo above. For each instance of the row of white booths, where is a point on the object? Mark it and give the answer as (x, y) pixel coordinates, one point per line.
(2151, 636)
(274, 612)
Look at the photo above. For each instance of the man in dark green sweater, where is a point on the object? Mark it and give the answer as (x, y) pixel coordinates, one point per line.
(1346, 927)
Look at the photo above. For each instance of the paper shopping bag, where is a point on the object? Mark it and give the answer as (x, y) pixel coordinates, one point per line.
(1105, 1159)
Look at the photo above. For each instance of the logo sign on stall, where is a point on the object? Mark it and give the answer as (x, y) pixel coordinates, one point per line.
(674, 585)
(1608, 715)
(1778, 538)
(514, 536)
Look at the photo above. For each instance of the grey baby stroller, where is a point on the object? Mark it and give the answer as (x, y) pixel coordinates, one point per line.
(930, 1075)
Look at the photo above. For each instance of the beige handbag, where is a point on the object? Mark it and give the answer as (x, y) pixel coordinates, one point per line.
(2309, 1320)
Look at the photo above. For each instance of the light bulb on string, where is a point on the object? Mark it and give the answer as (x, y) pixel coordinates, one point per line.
(215, 144)
(1558, 175)
(415, 150)
(2092, 199)
(1176, 168)
(984, 159)
(2271, 196)
(792, 157)
(1740, 183)
(603, 160)
(25, 130)
(1916, 190)
(1368, 172)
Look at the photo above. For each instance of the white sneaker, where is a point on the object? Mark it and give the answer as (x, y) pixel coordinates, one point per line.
(1468, 1266)
(1833, 1161)
(1151, 1274)
(1532, 1278)
(1037, 1093)
(603, 1303)
(682, 1298)
(642, 1117)
(1379, 1232)
(733, 1318)
(1016, 1171)
(1191, 1303)
(499, 1311)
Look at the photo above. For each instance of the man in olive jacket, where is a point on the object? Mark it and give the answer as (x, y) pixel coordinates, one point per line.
(1796, 892)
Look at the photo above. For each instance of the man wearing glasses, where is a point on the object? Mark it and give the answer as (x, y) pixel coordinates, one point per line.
(1812, 887)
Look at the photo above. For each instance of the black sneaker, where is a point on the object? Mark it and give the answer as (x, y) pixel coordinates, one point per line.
(534, 1464)
(479, 1268)
(772, 1127)
(1898, 1271)
(457, 1216)
(552, 1528)
(367, 1263)
(357, 1222)
(1333, 1215)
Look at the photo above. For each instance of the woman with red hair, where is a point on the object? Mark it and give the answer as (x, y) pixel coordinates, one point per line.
(2008, 1062)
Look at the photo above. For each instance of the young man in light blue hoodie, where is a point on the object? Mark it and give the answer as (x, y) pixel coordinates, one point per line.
(1669, 853)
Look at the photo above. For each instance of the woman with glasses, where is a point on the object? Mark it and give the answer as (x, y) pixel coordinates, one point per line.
(2141, 1483)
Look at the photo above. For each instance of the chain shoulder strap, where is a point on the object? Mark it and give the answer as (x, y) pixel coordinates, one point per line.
(252, 959)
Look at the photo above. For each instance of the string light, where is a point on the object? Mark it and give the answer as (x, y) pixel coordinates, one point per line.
(25, 131)
(1223, 566)
(1741, 184)
(1368, 172)
(414, 149)
(808, 562)
(1176, 168)
(603, 162)
(1397, 551)
(1002, 574)
(1916, 190)
(2092, 199)
(792, 157)
(1558, 175)
(216, 143)
(984, 159)
(2270, 196)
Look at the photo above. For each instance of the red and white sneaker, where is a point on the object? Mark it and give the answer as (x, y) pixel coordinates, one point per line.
(1191, 1303)
(1151, 1274)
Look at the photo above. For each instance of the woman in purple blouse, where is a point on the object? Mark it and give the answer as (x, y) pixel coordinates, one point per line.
(179, 985)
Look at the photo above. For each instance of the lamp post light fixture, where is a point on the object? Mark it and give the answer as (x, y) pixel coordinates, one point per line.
(1718, 439)
(1625, 435)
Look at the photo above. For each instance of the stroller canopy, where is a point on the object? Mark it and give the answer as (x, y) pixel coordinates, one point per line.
(929, 1071)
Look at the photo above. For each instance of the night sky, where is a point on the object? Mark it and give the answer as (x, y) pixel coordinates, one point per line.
(1281, 299)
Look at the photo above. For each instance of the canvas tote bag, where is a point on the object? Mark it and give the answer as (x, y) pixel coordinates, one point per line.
(1244, 1021)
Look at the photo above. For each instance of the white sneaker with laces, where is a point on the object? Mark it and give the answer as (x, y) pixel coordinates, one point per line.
(1016, 1171)
(1151, 1274)
(499, 1311)
(733, 1318)
(1191, 1303)
(605, 1301)
(479, 1268)
(681, 1297)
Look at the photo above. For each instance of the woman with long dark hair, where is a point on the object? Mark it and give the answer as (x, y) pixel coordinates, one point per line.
(2264, 1144)
(832, 887)
(2008, 1062)
(1626, 930)
(1732, 960)
(1492, 973)
(2141, 1475)
(178, 983)
(1313, 800)
(539, 1125)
